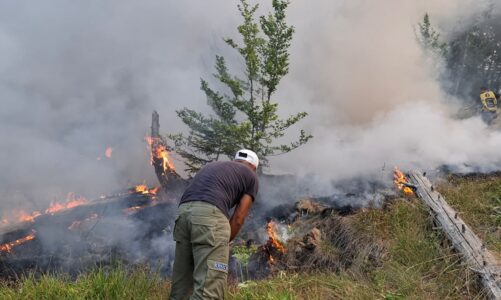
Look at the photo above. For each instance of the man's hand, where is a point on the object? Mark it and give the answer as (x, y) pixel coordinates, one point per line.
(238, 218)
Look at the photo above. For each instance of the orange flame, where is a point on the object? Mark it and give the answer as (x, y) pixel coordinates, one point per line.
(20, 216)
(7, 247)
(159, 151)
(71, 202)
(25, 217)
(162, 153)
(273, 240)
(400, 180)
(17, 216)
(143, 189)
(108, 152)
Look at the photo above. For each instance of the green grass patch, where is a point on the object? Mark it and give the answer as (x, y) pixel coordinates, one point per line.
(102, 283)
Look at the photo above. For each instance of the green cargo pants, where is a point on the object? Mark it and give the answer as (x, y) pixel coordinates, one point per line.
(202, 235)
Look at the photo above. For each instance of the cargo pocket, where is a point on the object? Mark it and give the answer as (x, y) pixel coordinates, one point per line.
(222, 232)
(215, 281)
(202, 230)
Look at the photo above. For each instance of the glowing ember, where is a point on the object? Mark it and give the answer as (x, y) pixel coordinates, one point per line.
(76, 224)
(400, 181)
(7, 247)
(159, 152)
(108, 152)
(154, 190)
(133, 209)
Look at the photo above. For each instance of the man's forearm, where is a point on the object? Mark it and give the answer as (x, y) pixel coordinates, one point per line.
(235, 226)
(238, 217)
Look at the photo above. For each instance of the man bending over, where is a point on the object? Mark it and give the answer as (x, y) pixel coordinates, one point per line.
(204, 227)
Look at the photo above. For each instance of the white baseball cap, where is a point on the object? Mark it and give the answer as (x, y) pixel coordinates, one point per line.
(248, 156)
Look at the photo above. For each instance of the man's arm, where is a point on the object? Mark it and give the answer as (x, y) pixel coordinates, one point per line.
(239, 215)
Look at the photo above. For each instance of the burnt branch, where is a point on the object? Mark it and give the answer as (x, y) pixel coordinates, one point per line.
(164, 168)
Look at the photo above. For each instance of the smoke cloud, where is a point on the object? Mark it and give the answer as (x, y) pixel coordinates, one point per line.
(76, 78)
(375, 99)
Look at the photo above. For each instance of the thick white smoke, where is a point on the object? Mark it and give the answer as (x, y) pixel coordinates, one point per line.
(374, 96)
(76, 78)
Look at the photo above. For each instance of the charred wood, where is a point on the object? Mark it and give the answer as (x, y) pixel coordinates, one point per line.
(96, 233)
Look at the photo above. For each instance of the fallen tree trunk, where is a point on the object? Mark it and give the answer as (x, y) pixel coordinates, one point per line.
(464, 240)
(73, 240)
(111, 204)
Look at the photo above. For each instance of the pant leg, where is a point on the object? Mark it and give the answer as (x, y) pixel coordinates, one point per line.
(210, 241)
(182, 273)
(488, 116)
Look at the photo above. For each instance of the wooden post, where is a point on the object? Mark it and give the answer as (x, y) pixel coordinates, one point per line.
(464, 240)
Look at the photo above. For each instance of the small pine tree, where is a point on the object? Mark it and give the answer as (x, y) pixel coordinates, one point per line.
(247, 116)
(430, 38)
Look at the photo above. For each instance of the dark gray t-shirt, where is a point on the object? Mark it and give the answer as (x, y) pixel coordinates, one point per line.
(222, 184)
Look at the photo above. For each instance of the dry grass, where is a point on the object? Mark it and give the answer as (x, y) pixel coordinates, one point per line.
(418, 266)
(478, 201)
(412, 262)
(341, 246)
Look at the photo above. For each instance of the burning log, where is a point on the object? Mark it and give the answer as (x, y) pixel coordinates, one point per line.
(161, 161)
(77, 234)
(7, 247)
(74, 238)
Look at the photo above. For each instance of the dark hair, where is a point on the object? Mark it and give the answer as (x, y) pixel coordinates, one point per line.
(483, 88)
